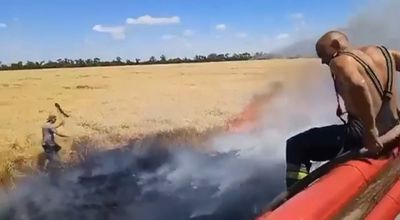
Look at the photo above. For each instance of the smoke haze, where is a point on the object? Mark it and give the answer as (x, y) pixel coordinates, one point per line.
(375, 24)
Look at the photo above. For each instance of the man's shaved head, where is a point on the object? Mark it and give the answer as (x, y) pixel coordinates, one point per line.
(329, 44)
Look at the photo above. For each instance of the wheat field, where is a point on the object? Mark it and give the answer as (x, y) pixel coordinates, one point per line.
(109, 105)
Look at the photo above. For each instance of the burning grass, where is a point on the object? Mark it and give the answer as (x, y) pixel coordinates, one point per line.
(170, 103)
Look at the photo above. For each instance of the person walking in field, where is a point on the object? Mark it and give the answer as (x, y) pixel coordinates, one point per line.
(50, 147)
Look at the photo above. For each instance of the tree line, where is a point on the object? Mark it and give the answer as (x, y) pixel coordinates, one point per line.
(118, 61)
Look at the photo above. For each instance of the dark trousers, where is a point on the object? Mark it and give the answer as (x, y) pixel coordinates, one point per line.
(320, 144)
(51, 155)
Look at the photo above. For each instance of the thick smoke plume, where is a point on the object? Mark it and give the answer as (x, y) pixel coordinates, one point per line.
(376, 24)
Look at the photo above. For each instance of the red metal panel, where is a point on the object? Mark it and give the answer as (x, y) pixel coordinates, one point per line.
(324, 198)
(331, 193)
(388, 207)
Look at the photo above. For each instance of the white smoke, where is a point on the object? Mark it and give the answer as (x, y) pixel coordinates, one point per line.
(376, 24)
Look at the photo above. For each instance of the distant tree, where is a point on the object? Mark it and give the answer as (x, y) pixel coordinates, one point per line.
(220, 57)
(175, 60)
(200, 58)
(68, 62)
(163, 59)
(119, 60)
(17, 66)
(152, 59)
(80, 63)
(212, 57)
(246, 55)
(96, 61)
(89, 62)
(30, 65)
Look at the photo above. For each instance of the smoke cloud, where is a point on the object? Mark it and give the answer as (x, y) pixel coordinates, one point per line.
(374, 25)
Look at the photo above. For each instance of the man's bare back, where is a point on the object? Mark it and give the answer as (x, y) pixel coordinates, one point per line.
(385, 114)
(361, 77)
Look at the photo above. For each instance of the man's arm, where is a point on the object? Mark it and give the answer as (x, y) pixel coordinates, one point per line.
(59, 134)
(54, 130)
(396, 56)
(61, 124)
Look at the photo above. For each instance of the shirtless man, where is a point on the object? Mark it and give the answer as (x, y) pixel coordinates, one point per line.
(50, 147)
(364, 78)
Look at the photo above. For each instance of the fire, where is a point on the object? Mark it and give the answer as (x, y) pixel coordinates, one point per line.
(249, 119)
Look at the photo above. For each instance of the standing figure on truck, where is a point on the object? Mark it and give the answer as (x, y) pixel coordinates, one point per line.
(365, 79)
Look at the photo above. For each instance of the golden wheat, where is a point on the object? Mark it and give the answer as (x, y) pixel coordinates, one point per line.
(110, 106)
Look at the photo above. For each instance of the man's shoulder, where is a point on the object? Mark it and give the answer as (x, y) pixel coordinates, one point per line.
(48, 125)
(341, 63)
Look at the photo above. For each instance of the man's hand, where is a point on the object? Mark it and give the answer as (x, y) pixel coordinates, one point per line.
(372, 142)
(61, 135)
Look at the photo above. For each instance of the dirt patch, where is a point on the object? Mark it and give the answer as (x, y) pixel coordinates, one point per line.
(29, 79)
(89, 87)
(4, 103)
(13, 85)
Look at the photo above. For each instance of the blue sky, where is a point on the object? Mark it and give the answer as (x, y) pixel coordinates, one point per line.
(50, 29)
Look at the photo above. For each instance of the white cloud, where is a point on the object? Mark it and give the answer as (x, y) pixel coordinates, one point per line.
(168, 36)
(2, 25)
(220, 27)
(282, 36)
(149, 20)
(297, 16)
(117, 32)
(241, 35)
(188, 33)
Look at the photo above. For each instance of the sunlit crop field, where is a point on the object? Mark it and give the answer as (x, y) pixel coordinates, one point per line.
(110, 105)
